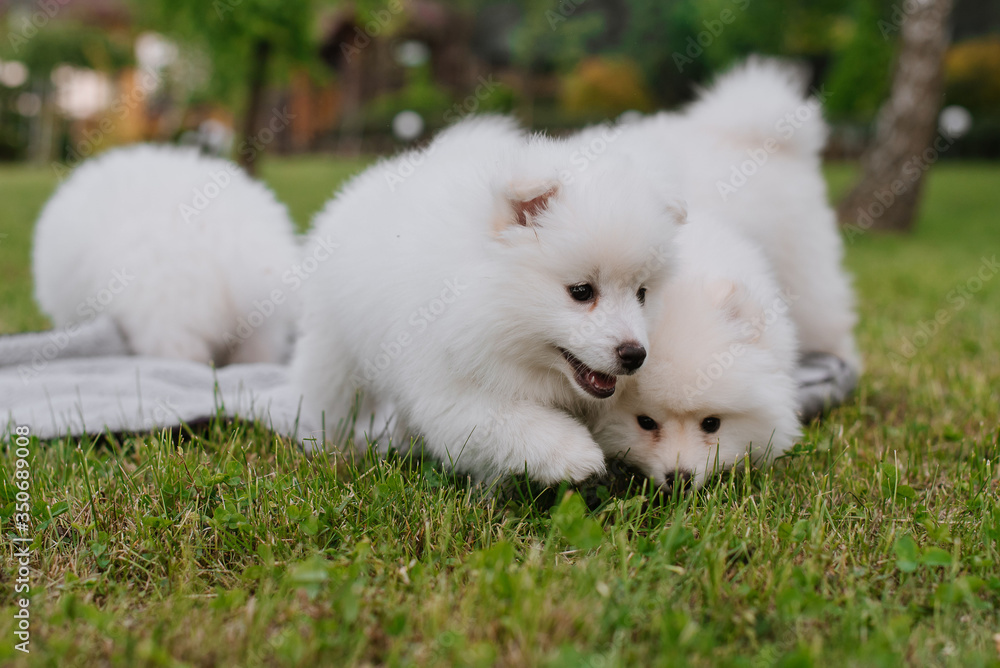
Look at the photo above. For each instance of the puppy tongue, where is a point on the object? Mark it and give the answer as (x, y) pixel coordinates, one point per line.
(598, 384)
(594, 383)
(601, 381)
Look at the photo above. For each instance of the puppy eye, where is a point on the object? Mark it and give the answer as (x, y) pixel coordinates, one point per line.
(710, 425)
(581, 293)
(647, 423)
(641, 295)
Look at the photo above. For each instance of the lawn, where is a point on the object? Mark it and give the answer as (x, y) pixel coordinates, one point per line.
(875, 543)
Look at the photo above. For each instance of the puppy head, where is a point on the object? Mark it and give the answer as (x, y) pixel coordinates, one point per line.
(717, 386)
(583, 257)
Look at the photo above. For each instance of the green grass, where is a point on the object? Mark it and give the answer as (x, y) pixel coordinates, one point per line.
(874, 544)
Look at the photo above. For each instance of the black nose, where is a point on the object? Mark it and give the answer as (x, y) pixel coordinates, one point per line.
(676, 480)
(632, 355)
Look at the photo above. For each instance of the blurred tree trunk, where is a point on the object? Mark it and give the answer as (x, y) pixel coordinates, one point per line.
(888, 193)
(255, 98)
(43, 127)
(352, 121)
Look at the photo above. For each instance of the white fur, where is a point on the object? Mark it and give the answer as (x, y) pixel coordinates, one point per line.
(721, 345)
(778, 246)
(759, 110)
(440, 305)
(760, 99)
(127, 234)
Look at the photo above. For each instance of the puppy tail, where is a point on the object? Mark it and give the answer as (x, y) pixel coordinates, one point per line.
(763, 100)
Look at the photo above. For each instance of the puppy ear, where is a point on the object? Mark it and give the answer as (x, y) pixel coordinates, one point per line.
(526, 200)
(739, 306)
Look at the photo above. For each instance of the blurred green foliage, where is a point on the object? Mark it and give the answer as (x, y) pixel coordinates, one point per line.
(228, 32)
(676, 42)
(655, 33)
(604, 87)
(561, 55)
(553, 35)
(860, 76)
(63, 43)
(420, 94)
(435, 104)
(972, 70)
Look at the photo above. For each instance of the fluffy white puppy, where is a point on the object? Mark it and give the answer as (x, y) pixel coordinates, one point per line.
(490, 290)
(754, 141)
(748, 152)
(718, 383)
(184, 252)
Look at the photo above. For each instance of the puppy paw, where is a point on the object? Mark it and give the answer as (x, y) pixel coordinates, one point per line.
(573, 459)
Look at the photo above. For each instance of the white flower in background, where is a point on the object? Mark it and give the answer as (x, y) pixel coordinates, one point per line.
(954, 121)
(13, 73)
(407, 125)
(154, 52)
(81, 92)
(412, 53)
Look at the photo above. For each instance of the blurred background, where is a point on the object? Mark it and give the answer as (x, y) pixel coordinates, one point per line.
(250, 77)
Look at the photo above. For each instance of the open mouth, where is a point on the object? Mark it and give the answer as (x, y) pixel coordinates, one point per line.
(594, 383)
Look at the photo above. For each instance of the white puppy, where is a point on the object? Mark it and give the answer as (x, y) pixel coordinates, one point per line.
(718, 383)
(747, 152)
(184, 252)
(754, 142)
(491, 292)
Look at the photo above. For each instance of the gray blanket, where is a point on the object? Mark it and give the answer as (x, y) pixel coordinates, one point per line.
(84, 380)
